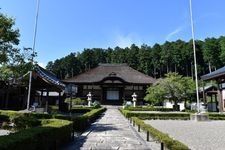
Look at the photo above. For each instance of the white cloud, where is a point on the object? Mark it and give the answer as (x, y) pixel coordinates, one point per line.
(123, 41)
(174, 32)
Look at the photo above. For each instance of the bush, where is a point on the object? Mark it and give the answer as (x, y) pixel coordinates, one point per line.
(4, 118)
(82, 122)
(163, 116)
(161, 137)
(216, 116)
(53, 134)
(23, 122)
(76, 101)
(148, 109)
(5, 125)
(96, 104)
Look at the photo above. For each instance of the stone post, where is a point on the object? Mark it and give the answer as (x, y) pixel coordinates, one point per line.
(134, 96)
(89, 99)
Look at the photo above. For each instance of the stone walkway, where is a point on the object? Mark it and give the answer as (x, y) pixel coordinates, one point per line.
(111, 131)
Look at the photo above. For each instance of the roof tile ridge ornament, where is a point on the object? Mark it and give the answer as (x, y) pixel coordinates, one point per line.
(112, 74)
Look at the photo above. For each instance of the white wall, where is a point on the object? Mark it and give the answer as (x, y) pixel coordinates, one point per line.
(168, 104)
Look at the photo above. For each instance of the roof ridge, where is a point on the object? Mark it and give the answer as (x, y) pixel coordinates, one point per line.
(112, 64)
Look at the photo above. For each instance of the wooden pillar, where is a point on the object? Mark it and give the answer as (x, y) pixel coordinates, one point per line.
(46, 102)
(41, 97)
(59, 98)
(220, 98)
(203, 92)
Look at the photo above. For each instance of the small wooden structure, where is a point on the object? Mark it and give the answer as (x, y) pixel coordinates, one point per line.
(219, 77)
(43, 83)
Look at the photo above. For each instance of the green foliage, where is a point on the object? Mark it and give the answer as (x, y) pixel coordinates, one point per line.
(170, 143)
(96, 104)
(156, 61)
(216, 116)
(155, 94)
(76, 101)
(5, 125)
(3, 118)
(13, 61)
(23, 122)
(161, 116)
(148, 109)
(51, 135)
(174, 87)
(82, 122)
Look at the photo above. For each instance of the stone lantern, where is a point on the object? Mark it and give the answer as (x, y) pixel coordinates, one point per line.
(89, 98)
(134, 96)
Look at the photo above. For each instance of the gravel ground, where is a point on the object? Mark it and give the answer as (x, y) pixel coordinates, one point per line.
(208, 135)
(4, 132)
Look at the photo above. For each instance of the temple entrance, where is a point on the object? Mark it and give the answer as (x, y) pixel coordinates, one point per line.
(112, 94)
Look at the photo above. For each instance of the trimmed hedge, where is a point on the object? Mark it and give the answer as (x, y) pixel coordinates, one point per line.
(4, 118)
(82, 122)
(161, 116)
(148, 109)
(216, 116)
(51, 135)
(13, 114)
(159, 136)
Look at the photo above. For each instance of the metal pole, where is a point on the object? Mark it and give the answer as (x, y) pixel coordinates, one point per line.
(29, 91)
(195, 63)
(32, 58)
(35, 31)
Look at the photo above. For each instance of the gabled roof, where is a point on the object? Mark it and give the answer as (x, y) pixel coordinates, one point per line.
(102, 71)
(215, 74)
(45, 79)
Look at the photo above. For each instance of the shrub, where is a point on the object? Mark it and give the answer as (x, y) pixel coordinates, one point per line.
(163, 116)
(23, 122)
(96, 104)
(82, 122)
(76, 101)
(148, 109)
(51, 135)
(4, 118)
(216, 116)
(161, 137)
(5, 125)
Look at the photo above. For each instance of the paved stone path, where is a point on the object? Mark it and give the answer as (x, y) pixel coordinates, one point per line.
(111, 131)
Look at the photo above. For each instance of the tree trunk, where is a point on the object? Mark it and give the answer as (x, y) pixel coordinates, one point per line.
(210, 70)
(192, 73)
(187, 70)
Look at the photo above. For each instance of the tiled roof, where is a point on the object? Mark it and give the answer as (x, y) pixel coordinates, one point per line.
(122, 71)
(214, 74)
(48, 76)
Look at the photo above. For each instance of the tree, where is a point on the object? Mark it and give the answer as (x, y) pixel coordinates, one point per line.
(9, 37)
(173, 87)
(14, 62)
(211, 53)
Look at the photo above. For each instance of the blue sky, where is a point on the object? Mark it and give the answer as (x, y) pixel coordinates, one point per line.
(72, 25)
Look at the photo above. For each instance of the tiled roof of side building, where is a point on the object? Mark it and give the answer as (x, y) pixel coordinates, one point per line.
(102, 71)
(215, 74)
(50, 77)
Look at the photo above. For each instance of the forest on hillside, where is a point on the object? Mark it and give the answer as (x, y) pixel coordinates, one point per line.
(156, 60)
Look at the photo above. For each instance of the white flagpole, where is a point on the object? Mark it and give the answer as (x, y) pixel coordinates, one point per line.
(32, 58)
(195, 63)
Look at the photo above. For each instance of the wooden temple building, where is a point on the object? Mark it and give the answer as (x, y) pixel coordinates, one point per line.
(46, 89)
(219, 77)
(111, 83)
